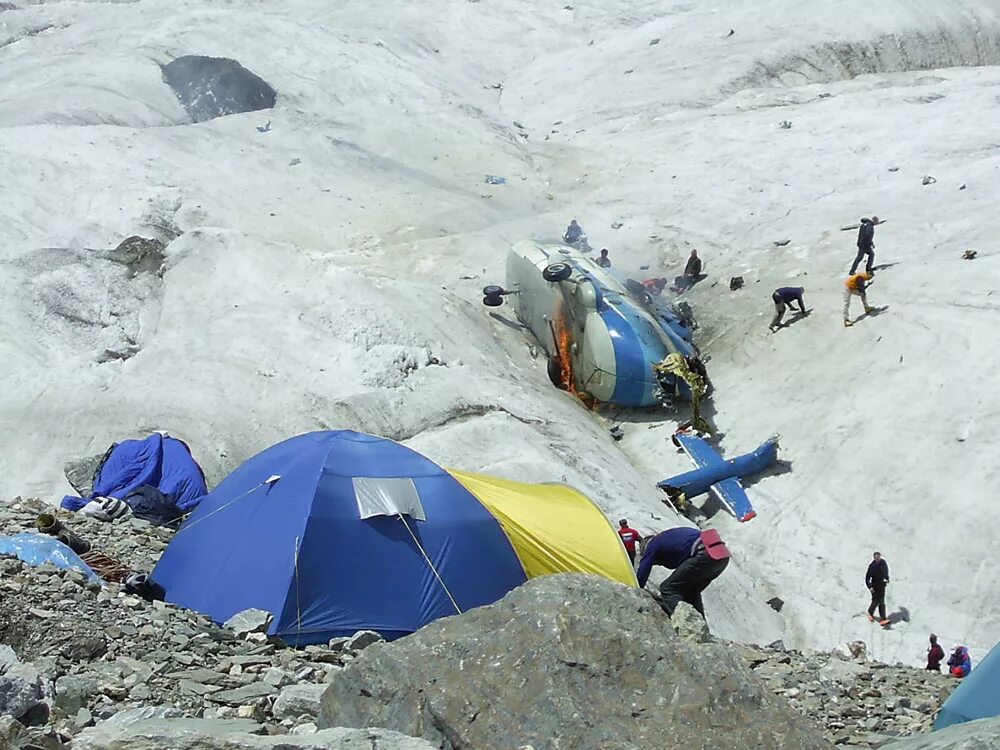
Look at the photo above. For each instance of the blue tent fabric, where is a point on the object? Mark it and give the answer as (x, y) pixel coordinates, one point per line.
(38, 549)
(299, 548)
(158, 461)
(978, 697)
(149, 504)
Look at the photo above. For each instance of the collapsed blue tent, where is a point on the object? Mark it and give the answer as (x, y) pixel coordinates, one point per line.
(335, 532)
(159, 461)
(978, 697)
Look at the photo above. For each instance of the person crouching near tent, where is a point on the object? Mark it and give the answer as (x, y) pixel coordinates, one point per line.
(959, 663)
(696, 557)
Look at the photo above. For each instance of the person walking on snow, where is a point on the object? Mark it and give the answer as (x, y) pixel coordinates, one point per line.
(959, 663)
(856, 286)
(783, 299)
(696, 557)
(934, 655)
(630, 537)
(876, 580)
(866, 244)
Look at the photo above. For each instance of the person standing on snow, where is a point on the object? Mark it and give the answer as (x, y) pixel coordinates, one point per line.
(782, 299)
(630, 537)
(696, 557)
(934, 655)
(866, 245)
(856, 286)
(876, 580)
(959, 663)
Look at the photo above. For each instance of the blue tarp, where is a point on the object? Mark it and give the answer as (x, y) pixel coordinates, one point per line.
(978, 697)
(38, 549)
(158, 461)
(298, 546)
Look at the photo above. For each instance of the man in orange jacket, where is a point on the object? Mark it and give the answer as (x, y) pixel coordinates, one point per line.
(856, 286)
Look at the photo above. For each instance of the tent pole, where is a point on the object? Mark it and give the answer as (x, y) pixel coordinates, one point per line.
(430, 564)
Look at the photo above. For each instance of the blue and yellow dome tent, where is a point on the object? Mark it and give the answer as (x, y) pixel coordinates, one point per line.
(335, 532)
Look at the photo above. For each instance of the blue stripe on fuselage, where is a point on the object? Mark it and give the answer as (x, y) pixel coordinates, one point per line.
(636, 350)
(637, 340)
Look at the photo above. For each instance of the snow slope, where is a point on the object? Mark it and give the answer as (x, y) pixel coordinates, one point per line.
(324, 272)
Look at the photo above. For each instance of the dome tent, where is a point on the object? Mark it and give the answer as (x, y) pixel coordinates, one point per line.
(978, 695)
(335, 532)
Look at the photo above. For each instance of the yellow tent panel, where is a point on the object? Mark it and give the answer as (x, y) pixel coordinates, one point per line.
(553, 528)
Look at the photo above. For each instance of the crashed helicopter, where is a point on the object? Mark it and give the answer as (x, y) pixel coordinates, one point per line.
(607, 340)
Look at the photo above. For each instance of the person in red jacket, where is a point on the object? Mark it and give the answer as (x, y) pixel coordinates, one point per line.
(934, 655)
(630, 538)
(960, 663)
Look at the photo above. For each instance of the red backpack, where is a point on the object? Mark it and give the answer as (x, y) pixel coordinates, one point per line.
(714, 545)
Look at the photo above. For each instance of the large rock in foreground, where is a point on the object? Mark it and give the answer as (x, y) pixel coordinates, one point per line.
(567, 661)
(200, 734)
(975, 735)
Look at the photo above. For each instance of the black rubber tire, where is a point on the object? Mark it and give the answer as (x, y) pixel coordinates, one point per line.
(493, 290)
(493, 300)
(557, 272)
(554, 370)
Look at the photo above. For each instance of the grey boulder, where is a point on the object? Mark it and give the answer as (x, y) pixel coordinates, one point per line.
(362, 640)
(564, 661)
(249, 621)
(7, 658)
(689, 624)
(298, 700)
(204, 734)
(73, 692)
(20, 690)
(974, 735)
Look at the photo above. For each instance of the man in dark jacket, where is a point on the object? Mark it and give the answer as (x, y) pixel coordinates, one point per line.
(866, 244)
(784, 298)
(692, 273)
(934, 655)
(696, 557)
(693, 267)
(573, 233)
(876, 580)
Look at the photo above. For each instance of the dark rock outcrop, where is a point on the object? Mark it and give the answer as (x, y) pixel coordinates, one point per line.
(139, 255)
(564, 661)
(210, 87)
